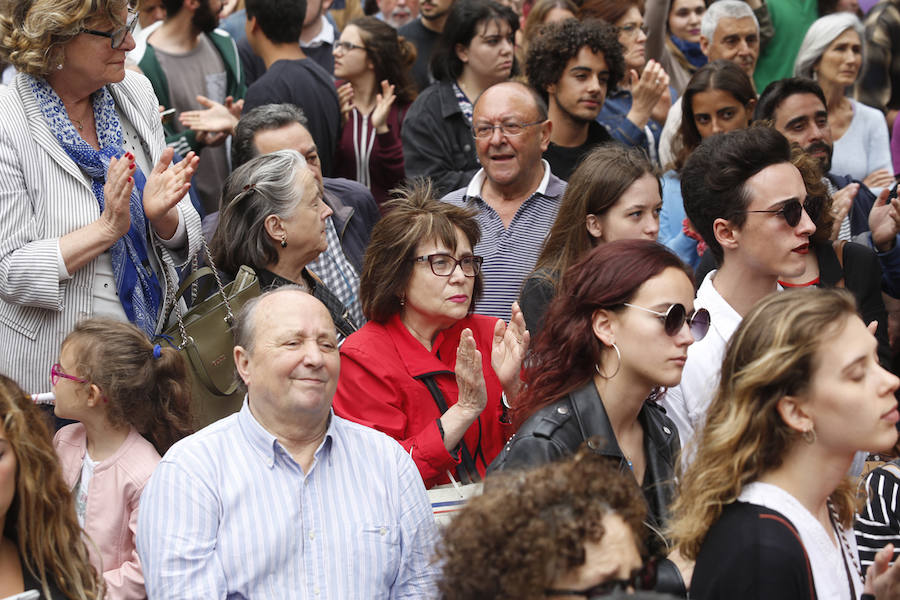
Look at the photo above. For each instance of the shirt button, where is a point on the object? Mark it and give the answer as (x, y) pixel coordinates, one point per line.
(316, 590)
(667, 430)
(383, 531)
(312, 535)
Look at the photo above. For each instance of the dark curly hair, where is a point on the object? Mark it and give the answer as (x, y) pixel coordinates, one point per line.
(559, 43)
(530, 527)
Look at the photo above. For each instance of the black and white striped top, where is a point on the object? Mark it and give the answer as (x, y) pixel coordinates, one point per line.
(878, 523)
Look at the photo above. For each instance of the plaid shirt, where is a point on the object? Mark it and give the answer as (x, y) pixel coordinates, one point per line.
(879, 84)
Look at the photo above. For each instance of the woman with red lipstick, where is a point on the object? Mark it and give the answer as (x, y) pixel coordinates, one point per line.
(766, 507)
(832, 54)
(93, 218)
(618, 331)
(424, 369)
(374, 61)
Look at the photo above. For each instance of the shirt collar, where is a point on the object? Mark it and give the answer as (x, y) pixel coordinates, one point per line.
(416, 358)
(325, 35)
(474, 189)
(267, 445)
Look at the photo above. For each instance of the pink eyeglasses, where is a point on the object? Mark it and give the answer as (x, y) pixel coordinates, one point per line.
(56, 372)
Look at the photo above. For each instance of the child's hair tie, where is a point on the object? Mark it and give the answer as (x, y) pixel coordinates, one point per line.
(157, 351)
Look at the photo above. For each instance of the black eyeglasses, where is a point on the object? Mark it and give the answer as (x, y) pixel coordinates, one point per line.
(676, 316)
(792, 210)
(443, 265)
(641, 579)
(511, 129)
(117, 36)
(347, 46)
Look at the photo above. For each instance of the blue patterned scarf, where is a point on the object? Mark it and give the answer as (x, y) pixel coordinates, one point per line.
(137, 284)
(691, 51)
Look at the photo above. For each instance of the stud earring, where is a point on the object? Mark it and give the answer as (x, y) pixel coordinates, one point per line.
(284, 241)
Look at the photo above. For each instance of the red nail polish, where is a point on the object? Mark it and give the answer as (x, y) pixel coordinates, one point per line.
(130, 180)
(131, 166)
(129, 155)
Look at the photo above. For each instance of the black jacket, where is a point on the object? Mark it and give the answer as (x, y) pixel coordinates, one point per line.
(557, 431)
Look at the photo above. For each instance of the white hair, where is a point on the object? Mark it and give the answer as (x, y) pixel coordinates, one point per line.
(733, 9)
(820, 35)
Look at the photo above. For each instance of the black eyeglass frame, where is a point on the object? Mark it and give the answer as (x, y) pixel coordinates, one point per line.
(792, 210)
(476, 262)
(123, 31)
(676, 316)
(347, 46)
(641, 579)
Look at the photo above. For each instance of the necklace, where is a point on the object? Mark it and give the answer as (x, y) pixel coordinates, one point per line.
(79, 123)
(845, 550)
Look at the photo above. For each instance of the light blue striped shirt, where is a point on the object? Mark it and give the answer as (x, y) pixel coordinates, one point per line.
(510, 253)
(228, 513)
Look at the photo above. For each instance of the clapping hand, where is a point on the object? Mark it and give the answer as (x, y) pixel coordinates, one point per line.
(841, 202)
(884, 221)
(469, 376)
(166, 186)
(383, 102)
(116, 216)
(508, 350)
(214, 123)
(345, 98)
(882, 579)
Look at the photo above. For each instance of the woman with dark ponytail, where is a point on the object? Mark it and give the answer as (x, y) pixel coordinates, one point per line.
(374, 62)
(132, 401)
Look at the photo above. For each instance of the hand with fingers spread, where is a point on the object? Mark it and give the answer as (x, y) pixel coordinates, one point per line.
(508, 350)
(166, 186)
(469, 376)
(841, 202)
(884, 221)
(345, 97)
(646, 91)
(878, 179)
(383, 102)
(215, 118)
(116, 215)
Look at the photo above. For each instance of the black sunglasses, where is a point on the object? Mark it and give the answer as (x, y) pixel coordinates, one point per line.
(676, 316)
(641, 579)
(792, 210)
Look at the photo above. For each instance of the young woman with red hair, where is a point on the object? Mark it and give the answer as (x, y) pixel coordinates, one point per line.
(617, 332)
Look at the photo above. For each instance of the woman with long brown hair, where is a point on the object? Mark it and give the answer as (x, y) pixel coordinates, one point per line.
(41, 546)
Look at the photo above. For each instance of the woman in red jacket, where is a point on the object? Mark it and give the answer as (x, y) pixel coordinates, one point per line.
(424, 369)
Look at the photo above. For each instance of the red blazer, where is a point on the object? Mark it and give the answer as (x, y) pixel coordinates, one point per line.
(377, 388)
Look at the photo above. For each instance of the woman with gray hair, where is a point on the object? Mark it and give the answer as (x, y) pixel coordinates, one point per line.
(273, 220)
(832, 54)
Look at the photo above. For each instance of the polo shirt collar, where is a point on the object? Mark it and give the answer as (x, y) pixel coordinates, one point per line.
(474, 189)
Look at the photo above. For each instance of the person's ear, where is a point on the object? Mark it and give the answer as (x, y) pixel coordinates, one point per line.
(546, 129)
(551, 90)
(462, 53)
(274, 227)
(602, 326)
(594, 226)
(726, 233)
(242, 363)
(793, 411)
(750, 107)
(704, 45)
(94, 395)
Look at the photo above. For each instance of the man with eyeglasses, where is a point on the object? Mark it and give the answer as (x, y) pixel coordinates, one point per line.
(796, 107)
(185, 57)
(749, 203)
(514, 194)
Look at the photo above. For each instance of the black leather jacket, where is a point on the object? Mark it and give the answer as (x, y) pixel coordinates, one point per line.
(559, 429)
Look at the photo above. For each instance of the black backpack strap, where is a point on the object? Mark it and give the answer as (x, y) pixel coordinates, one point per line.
(466, 471)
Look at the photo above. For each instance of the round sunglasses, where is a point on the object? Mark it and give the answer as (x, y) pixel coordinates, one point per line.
(792, 210)
(676, 316)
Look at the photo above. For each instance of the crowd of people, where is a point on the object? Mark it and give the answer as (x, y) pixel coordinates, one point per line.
(619, 278)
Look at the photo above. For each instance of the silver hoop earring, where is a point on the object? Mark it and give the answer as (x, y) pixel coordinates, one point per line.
(809, 436)
(618, 364)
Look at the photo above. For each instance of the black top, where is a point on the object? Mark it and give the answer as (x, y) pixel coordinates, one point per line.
(423, 39)
(309, 86)
(752, 553)
(564, 159)
(538, 292)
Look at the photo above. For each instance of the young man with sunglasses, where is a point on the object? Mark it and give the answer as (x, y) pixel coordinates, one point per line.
(796, 107)
(749, 203)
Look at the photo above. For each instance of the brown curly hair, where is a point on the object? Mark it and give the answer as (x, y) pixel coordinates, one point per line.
(33, 32)
(558, 43)
(530, 527)
(41, 520)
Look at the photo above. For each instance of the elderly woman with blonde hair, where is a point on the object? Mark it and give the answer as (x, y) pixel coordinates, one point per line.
(93, 218)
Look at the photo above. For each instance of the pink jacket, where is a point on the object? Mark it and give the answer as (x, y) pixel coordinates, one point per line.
(111, 514)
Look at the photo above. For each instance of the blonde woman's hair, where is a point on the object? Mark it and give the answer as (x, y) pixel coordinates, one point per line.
(33, 32)
(41, 520)
(774, 353)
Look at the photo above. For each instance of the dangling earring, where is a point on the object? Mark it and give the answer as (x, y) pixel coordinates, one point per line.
(402, 301)
(59, 67)
(809, 436)
(618, 364)
(284, 240)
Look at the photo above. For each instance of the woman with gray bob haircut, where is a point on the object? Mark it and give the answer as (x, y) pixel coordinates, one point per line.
(273, 220)
(832, 54)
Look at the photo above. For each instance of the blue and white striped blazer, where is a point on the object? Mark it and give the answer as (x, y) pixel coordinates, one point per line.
(43, 196)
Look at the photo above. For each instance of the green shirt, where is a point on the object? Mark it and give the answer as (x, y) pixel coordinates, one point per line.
(791, 19)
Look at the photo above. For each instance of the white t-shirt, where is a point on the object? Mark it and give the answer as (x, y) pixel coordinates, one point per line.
(84, 483)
